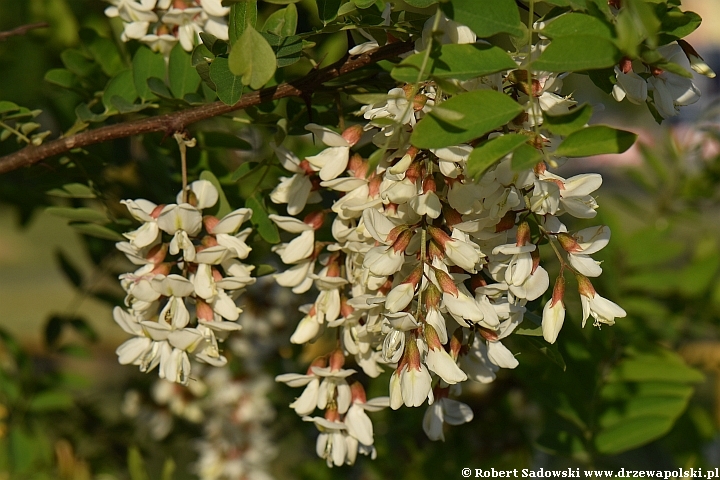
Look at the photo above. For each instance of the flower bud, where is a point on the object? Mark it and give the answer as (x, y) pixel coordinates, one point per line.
(352, 134)
(332, 414)
(337, 360)
(625, 65)
(358, 392)
(568, 243)
(357, 166)
(315, 219)
(522, 236)
(487, 334)
(429, 185)
(506, 222)
(157, 253)
(447, 284)
(431, 337)
(585, 287)
(432, 297)
(320, 362)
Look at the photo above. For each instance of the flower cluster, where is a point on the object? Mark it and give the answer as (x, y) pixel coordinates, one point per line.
(430, 270)
(161, 24)
(181, 299)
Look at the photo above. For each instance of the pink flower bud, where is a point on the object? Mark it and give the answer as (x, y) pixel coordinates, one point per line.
(568, 243)
(345, 309)
(446, 282)
(439, 235)
(332, 414)
(625, 65)
(337, 360)
(320, 362)
(204, 311)
(558, 290)
(157, 254)
(156, 211)
(488, 334)
(358, 392)
(585, 287)
(315, 219)
(522, 236)
(210, 222)
(431, 337)
(506, 223)
(357, 166)
(429, 185)
(352, 134)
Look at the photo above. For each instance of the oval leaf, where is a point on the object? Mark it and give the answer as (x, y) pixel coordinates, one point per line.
(252, 58)
(486, 17)
(497, 109)
(578, 52)
(596, 140)
(487, 154)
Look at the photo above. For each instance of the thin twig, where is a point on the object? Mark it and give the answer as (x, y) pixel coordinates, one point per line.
(177, 121)
(22, 30)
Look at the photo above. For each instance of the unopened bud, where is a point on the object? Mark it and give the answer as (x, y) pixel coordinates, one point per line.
(456, 344)
(345, 309)
(320, 362)
(162, 269)
(522, 236)
(487, 334)
(411, 356)
(447, 284)
(332, 414)
(419, 102)
(217, 276)
(315, 219)
(432, 338)
(306, 167)
(697, 63)
(204, 311)
(432, 297)
(358, 166)
(434, 251)
(337, 360)
(452, 216)
(358, 392)
(157, 211)
(439, 236)
(210, 222)
(395, 233)
(429, 185)
(403, 241)
(535, 255)
(208, 241)
(477, 281)
(625, 65)
(414, 172)
(353, 134)
(568, 243)
(157, 253)
(585, 287)
(506, 222)
(558, 291)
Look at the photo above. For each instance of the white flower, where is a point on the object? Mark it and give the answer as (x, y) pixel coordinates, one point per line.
(445, 410)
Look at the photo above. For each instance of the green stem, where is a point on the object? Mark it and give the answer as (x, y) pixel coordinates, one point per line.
(17, 133)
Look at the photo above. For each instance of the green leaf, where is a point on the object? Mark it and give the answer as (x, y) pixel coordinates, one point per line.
(264, 270)
(677, 24)
(122, 86)
(81, 214)
(146, 64)
(86, 115)
(328, 10)
(287, 49)
(566, 124)
(62, 77)
(53, 329)
(549, 350)
(50, 400)
(573, 24)
(168, 470)
(222, 207)
(243, 14)
(97, 231)
(421, 3)
(103, 51)
(461, 62)
(486, 17)
(364, 3)
(228, 86)
(575, 53)
(490, 152)
(632, 433)
(72, 190)
(497, 109)
(158, 87)
(265, 227)
(71, 271)
(77, 63)
(6, 106)
(182, 75)
(283, 22)
(525, 156)
(595, 140)
(644, 368)
(253, 59)
(136, 465)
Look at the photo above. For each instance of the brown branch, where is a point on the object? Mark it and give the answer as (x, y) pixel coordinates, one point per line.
(22, 30)
(177, 121)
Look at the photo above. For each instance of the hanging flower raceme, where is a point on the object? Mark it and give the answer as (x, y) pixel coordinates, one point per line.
(181, 302)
